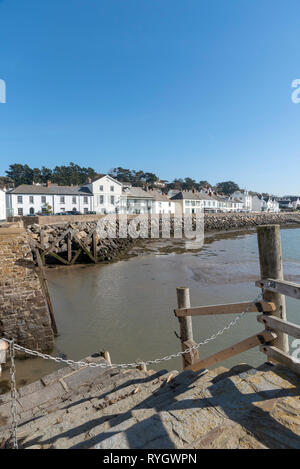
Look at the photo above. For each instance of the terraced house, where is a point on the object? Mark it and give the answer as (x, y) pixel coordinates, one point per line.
(107, 195)
(35, 199)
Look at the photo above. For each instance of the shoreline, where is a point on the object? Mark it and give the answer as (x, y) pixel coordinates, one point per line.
(160, 246)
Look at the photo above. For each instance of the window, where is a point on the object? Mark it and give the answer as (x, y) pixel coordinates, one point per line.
(43, 199)
(85, 210)
(31, 211)
(112, 188)
(85, 200)
(101, 199)
(112, 200)
(20, 212)
(31, 199)
(101, 188)
(20, 199)
(62, 200)
(74, 200)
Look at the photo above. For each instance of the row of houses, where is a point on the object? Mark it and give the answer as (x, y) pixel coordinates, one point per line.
(106, 195)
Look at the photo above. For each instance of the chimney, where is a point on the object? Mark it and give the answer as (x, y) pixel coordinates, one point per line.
(48, 183)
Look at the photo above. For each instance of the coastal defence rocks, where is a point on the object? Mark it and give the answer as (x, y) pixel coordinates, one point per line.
(107, 249)
(24, 314)
(232, 221)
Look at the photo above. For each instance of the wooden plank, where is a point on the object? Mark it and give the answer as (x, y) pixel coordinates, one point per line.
(279, 325)
(58, 257)
(84, 248)
(234, 308)
(282, 358)
(69, 247)
(76, 255)
(280, 286)
(95, 245)
(56, 241)
(45, 288)
(243, 346)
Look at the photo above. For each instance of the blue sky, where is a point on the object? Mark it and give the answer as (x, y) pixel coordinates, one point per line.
(198, 88)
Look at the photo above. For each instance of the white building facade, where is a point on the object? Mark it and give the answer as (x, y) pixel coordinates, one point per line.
(37, 199)
(245, 197)
(107, 195)
(137, 201)
(2, 205)
(162, 204)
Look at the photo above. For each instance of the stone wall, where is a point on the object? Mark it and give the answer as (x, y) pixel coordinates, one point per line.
(23, 310)
(231, 221)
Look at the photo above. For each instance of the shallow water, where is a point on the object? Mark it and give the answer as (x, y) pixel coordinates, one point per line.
(127, 307)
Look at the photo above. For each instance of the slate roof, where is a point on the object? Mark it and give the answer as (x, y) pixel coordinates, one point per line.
(137, 193)
(53, 189)
(188, 195)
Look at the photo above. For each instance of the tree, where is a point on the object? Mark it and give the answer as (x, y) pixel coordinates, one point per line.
(203, 184)
(6, 182)
(20, 174)
(227, 187)
(189, 184)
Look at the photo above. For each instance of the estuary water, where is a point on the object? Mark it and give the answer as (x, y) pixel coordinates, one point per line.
(127, 307)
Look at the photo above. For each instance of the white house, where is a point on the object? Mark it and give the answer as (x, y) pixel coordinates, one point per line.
(257, 204)
(107, 195)
(245, 197)
(34, 199)
(235, 205)
(270, 205)
(137, 201)
(162, 204)
(190, 202)
(2, 205)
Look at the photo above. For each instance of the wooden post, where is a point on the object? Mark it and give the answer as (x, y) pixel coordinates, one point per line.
(42, 243)
(94, 244)
(186, 328)
(270, 256)
(44, 285)
(69, 246)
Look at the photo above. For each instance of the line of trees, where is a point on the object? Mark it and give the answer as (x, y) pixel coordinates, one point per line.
(74, 174)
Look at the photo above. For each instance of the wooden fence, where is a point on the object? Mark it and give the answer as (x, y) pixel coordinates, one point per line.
(273, 340)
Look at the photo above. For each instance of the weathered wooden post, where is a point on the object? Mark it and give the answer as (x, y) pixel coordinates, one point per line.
(69, 247)
(45, 288)
(186, 328)
(270, 256)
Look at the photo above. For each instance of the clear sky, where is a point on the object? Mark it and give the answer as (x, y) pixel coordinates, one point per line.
(198, 88)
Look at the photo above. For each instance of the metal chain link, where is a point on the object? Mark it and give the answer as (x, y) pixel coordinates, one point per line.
(13, 391)
(133, 365)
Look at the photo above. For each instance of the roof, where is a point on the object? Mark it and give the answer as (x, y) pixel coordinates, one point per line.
(53, 189)
(159, 197)
(137, 193)
(188, 195)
